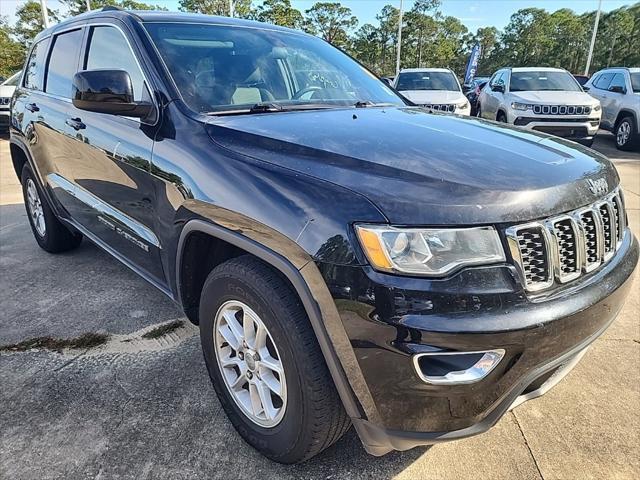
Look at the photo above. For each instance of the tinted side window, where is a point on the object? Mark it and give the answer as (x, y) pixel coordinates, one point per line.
(618, 81)
(63, 62)
(34, 68)
(603, 81)
(108, 49)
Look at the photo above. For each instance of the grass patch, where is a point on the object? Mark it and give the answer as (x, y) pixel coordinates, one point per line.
(162, 330)
(84, 341)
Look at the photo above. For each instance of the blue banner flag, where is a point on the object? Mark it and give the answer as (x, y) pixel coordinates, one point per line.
(472, 66)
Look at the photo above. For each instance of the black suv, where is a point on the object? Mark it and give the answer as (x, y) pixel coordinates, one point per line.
(349, 259)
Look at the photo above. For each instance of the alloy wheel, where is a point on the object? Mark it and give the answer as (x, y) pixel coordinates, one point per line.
(250, 364)
(35, 208)
(623, 133)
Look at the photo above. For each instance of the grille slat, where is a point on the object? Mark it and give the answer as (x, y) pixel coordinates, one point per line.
(440, 107)
(564, 247)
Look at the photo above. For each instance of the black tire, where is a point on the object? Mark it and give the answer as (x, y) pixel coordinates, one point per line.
(479, 111)
(314, 417)
(630, 141)
(55, 237)
(501, 117)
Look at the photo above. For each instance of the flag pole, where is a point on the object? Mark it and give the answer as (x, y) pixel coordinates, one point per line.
(399, 47)
(45, 14)
(593, 39)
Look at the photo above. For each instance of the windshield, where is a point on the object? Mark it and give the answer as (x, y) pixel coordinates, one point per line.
(12, 81)
(427, 81)
(226, 68)
(537, 81)
(635, 82)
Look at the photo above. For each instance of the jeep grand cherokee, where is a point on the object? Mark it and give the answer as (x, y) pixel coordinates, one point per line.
(350, 260)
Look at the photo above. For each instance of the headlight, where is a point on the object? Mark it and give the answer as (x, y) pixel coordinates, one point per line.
(429, 251)
(463, 105)
(520, 106)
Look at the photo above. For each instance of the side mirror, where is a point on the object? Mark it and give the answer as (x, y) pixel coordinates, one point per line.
(617, 89)
(585, 88)
(498, 88)
(107, 91)
(387, 81)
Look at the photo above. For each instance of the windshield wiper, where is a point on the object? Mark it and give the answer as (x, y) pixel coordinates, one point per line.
(272, 107)
(369, 103)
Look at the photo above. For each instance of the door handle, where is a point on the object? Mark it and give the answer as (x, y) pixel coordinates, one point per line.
(75, 123)
(32, 107)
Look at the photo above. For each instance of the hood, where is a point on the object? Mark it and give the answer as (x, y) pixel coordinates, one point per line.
(421, 168)
(7, 90)
(554, 97)
(433, 96)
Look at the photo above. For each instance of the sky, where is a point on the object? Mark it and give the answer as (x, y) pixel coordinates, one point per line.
(472, 13)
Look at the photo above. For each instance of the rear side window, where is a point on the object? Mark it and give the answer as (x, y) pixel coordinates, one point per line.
(34, 68)
(603, 81)
(109, 49)
(63, 63)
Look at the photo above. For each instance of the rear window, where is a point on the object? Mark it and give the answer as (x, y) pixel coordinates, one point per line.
(427, 81)
(34, 67)
(63, 63)
(535, 81)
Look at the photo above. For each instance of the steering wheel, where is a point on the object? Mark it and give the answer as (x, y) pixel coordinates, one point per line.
(302, 92)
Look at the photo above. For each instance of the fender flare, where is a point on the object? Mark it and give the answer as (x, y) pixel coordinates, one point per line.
(626, 113)
(347, 395)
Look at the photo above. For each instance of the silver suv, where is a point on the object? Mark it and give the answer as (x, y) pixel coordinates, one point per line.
(547, 100)
(618, 90)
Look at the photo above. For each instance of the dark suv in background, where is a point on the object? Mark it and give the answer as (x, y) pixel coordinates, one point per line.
(348, 258)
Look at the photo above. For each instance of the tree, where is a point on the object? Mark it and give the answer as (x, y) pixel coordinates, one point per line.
(242, 8)
(11, 52)
(29, 21)
(366, 47)
(279, 12)
(77, 7)
(331, 21)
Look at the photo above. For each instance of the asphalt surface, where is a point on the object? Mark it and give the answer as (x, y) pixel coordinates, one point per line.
(144, 408)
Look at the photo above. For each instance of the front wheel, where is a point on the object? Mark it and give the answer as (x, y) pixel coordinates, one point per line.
(627, 137)
(265, 362)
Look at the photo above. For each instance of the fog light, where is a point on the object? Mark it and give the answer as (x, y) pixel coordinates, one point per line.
(456, 368)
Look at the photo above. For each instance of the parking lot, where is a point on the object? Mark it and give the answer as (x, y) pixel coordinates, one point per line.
(136, 402)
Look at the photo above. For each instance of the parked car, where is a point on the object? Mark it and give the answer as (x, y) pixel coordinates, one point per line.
(437, 89)
(473, 92)
(349, 259)
(581, 79)
(6, 92)
(618, 90)
(547, 100)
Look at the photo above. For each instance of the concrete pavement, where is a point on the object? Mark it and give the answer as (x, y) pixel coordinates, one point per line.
(147, 409)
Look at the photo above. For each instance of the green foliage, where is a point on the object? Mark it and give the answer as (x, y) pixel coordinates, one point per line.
(331, 21)
(80, 6)
(242, 8)
(11, 52)
(29, 21)
(279, 12)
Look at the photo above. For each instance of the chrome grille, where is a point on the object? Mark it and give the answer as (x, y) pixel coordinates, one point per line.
(562, 109)
(562, 248)
(440, 107)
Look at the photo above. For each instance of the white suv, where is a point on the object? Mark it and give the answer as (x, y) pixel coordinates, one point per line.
(544, 99)
(437, 89)
(618, 90)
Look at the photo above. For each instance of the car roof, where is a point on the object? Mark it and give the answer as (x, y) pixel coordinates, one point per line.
(537, 69)
(159, 16)
(415, 70)
(617, 69)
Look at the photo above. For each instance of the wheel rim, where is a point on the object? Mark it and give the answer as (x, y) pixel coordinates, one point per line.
(624, 131)
(35, 208)
(250, 364)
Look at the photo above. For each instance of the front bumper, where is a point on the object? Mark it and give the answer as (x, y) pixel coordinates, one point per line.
(389, 319)
(572, 128)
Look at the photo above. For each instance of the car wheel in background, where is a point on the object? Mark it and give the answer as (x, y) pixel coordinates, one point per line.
(479, 111)
(49, 232)
(265, 362)
(501, 117)
(626, 134)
